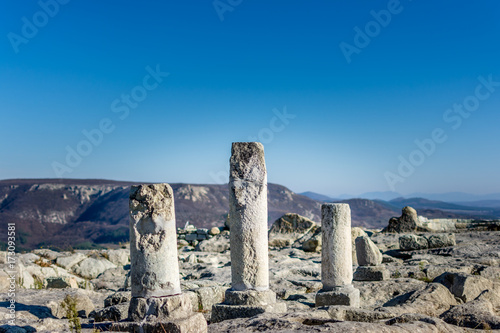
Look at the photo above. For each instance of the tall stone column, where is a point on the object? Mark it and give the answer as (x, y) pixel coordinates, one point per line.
(248, 217)
(249, 294)
(157, 302)
(336, 257)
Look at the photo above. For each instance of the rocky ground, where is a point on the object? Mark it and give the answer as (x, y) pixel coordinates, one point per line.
(441, 289)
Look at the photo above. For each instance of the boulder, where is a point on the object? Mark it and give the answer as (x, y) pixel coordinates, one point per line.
(112, 279)
(69, 261)
(407, 222)
(112, 313)
(91, 268)
(464, 286)
(61, 282)
(355, 233)
(219, 243)
(208, 296)
(288, 229)
(119, 257)
(214, 231)
(433, 300)
(313, 243)
(441, 240)
(367, 252)
(117, 298)
(478, 314)
(413, 242)
(83, 304)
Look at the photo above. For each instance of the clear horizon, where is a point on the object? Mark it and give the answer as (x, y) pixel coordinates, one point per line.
(349, 98)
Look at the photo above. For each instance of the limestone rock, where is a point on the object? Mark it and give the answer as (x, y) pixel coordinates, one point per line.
(413, 242)
(433, 300)
(69, 261)
(464, 286)
(91, 268)
(407, 222)
(441, 240)
(478, 314)
(117, 298)
(112, 279)
(219, 243)
(61, 282)
(314, 243)
(288, 229)
(371, 273)
(208, 296)
(367, 252)
(115, 312)
(355, 233)
(84, 304)
(214, 231)
(119, 257)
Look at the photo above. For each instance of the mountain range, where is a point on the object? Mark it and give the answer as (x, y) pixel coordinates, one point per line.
(454, 197)
(83, 213)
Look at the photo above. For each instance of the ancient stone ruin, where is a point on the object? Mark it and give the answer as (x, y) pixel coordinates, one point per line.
(249, 294)
(157, 301)
(336, 257)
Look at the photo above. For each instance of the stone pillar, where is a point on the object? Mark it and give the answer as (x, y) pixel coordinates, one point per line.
(248, 217)
(154, 269)
(336, 257)
(157, 303)
(249, 294)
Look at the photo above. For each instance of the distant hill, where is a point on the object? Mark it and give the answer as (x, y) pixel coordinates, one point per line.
(64, 213)
(431, 207)
(317, 196)
(79, 212)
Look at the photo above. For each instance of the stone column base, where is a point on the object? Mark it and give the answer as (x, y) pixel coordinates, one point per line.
(195, 323)
(345, 295)
(371, 273)
(162, 314)
(245, 304)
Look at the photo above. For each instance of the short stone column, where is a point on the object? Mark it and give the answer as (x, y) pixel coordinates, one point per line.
(370, 261)
(336, 257)
(157, 303)
(249, 293)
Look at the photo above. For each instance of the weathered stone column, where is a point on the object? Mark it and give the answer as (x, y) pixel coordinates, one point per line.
(157, 303)
(336, 257)
(248, 217)
(249, 294)
(154, 269)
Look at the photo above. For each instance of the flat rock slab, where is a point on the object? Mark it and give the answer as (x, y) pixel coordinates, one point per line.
(221, 312)
(346, 295)
(371, 273)
(195, 323)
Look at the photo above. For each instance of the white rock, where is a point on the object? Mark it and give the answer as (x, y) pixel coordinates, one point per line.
(367, 252)
(91, 268)
(70, 261)
(119, 257)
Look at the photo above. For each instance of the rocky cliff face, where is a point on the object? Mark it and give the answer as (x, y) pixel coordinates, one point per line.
(69, 212)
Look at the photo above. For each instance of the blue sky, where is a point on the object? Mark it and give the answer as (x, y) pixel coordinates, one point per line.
(338, 110)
